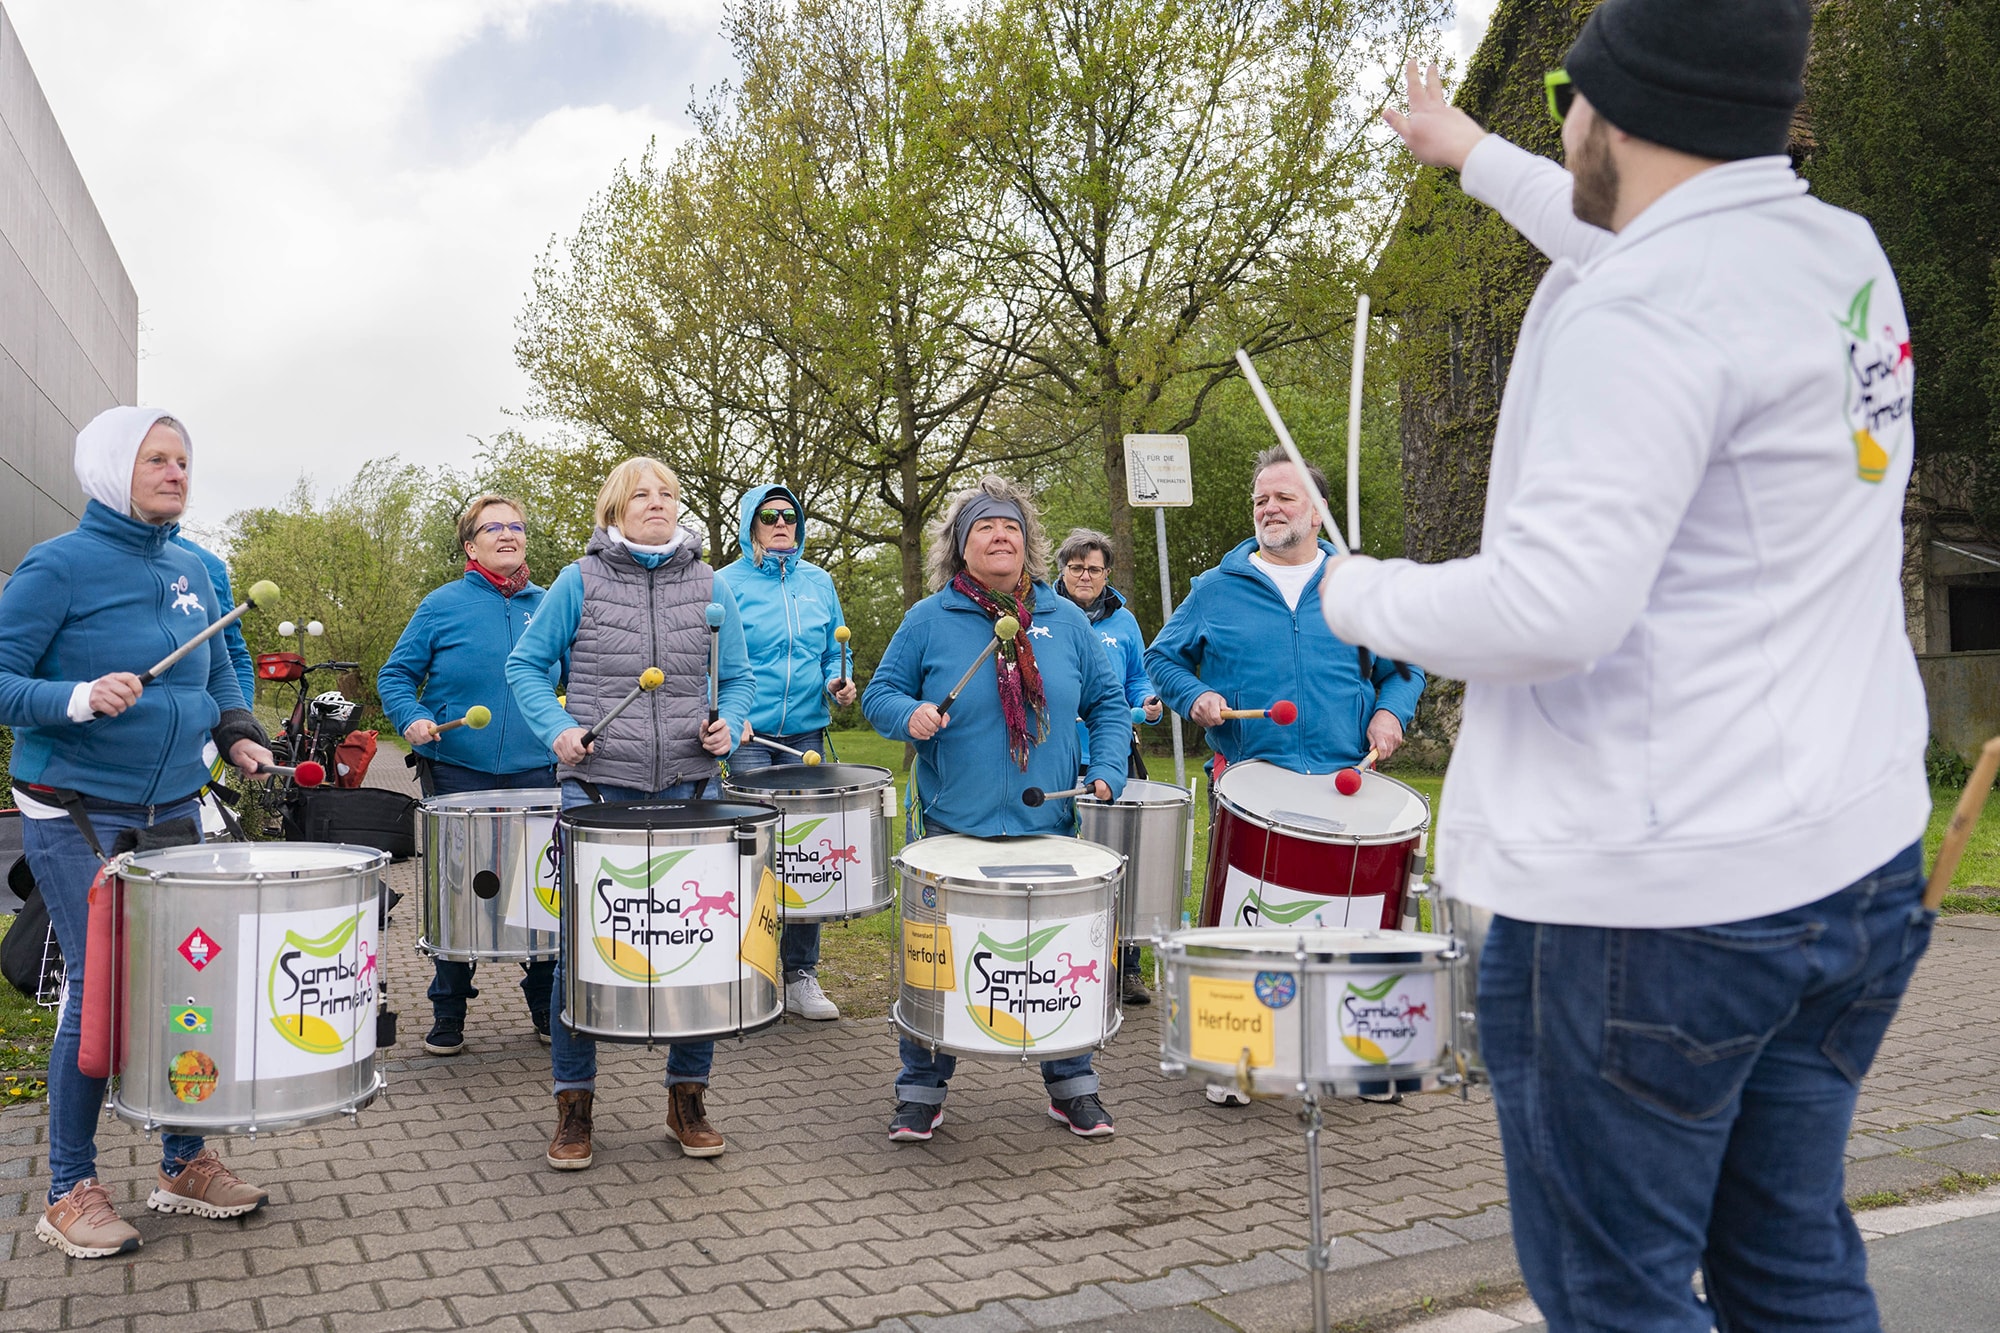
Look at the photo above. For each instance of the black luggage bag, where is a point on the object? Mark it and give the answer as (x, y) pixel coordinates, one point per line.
(365, 816)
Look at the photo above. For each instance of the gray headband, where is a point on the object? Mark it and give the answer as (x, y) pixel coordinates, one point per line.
(984, 506)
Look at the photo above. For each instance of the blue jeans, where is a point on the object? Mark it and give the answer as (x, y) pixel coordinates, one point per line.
(64, 866)
(573, 1056)
(1673, 1100)
(798, 945)
(925, 1073)
(451, 985)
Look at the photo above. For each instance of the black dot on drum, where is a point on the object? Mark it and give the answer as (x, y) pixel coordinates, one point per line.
(486, 884)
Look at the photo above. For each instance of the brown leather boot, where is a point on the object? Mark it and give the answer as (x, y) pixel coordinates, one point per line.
(569, 1150)
(689, 1124)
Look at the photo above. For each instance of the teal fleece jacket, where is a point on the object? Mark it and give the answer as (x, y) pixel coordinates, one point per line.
(790, 611)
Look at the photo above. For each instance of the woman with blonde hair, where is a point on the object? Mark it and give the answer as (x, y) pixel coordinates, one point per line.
(637, 599)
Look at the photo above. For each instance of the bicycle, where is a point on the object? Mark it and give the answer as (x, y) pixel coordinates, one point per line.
(316, 724)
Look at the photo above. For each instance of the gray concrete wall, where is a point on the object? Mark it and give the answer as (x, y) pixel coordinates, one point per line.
(69, 317)
(1964, 694)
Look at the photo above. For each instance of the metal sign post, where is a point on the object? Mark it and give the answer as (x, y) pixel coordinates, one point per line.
(1159, 474)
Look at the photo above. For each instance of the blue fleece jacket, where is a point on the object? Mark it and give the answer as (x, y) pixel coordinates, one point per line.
(114, 595)
(545, 647)
(965, 777)
(1235, 635)
(1125, 645)
(790, 611)
(232, 638)
(453, 655)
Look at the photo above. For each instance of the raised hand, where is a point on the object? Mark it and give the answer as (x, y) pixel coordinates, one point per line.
(1437, 133)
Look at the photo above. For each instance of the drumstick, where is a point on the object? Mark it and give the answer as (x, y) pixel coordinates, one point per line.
(714, 615)
(1004, 630)
(809, 756)
(1291, 450)
(475, 717)
(1284, 712)
(1034, 796)
(1354, 423)
(1963, 820)
(1348, 780)
(307, 774)
(841, 635)
(262, 593)
(649, 679)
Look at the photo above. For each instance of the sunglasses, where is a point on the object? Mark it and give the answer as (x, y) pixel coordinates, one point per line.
(1560, 92)
(773, 517)
(495, 529)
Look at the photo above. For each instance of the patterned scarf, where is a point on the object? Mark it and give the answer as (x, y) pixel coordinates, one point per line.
(1020, 678)
(508, 586)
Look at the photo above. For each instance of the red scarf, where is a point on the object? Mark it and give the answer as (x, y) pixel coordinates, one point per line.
(1020, 679)
(507, 586)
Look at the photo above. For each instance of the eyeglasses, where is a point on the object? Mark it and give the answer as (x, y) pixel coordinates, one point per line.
(773, 517)
(495, 529)
(1560, 92)
(1092, 571)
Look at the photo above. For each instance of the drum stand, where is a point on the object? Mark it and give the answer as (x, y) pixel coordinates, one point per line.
(1318, 1253)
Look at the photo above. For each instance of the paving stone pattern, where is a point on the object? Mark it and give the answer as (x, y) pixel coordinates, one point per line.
(437, 1210)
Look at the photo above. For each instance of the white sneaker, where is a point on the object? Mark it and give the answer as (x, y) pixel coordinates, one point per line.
(804, 998)
(1226, 1096)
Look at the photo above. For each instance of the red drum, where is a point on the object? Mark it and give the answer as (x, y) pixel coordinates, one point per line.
(1287, 849)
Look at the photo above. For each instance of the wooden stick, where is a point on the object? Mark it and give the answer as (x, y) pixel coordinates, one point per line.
(1368, 760)
(475, 717)
(1004, 630)
(1963, 820)
(650, 679)
(1291, 450)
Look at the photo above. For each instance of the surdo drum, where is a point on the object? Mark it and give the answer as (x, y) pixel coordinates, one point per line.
(1334, 1012)
(670, 919)
(1287, 849)
(488, 872)
(252, 984)
(833, 836)
(1149, 824)
(1008, 945)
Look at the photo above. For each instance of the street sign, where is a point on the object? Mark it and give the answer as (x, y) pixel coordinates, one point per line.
(1159, 474)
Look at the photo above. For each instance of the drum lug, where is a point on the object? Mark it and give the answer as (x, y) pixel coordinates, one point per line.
(746, 840)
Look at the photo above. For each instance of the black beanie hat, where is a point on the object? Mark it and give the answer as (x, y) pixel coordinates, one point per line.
(1717, 78)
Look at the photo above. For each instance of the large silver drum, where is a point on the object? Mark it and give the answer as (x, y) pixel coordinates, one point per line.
(1337, 1011)
(833, 836)
(488, 876)
(1009, 946)
(670, 920)
(252, 985)
(1149, 825)
(1467, 925)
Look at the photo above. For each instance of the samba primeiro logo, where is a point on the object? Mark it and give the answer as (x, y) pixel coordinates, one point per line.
(806, 863)
(1381, 1022)
(634, 922)
(313, 982)
(1254, 911)
(1015, 999)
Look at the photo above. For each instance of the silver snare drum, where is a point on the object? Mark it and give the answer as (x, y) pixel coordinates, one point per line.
(1009, 946)
(252, 985)
(1467, 925)
(488, 875)
(1337, 1010)
(670, 920)
(833, 836)
(1149, 824)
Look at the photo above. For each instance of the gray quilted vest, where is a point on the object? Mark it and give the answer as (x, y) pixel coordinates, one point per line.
(634, 618)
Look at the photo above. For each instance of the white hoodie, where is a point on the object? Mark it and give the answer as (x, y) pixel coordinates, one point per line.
(106, 449)
(1690, 697)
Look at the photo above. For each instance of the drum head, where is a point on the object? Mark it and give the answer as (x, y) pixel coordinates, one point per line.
(667, 814)
(1042, 860)
(1139, 791)
(542, 800)
(233, 862)
(810, 779)
(1309, 806)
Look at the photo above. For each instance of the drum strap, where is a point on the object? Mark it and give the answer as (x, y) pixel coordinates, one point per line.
(71, 801)
(225, 799)
(590, 790)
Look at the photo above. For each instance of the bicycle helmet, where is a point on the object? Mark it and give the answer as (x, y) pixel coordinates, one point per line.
(333, 709)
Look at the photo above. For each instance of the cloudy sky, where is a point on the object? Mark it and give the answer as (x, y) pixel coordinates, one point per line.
(332, 212)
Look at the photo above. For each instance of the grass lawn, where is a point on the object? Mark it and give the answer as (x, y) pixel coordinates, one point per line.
(26, 1030)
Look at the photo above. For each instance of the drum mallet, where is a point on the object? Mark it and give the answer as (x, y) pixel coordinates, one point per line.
(649, 680)
(307, 774)
(1348, 780)
(1963, 820)
(1035, 796)
(841, 635)
(804, 756)
(475, 717)
(262, 593)
(714, 616)
(1284, 712)
(1004, 630)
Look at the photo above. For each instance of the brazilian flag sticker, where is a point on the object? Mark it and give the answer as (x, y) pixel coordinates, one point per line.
(192, 1019)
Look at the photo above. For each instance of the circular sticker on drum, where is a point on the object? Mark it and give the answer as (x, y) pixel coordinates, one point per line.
(1277, 989)
(192, 1075)
(930, 895)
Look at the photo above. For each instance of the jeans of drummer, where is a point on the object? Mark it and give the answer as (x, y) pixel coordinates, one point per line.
(451, 984)
(925, 1073)
(64, 867)
(573, 1056)
(1679, 1100)
(798, 945)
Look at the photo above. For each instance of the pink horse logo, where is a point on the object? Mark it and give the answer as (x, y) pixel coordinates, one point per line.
(835, 855)
(1077, 974)
(724, 902)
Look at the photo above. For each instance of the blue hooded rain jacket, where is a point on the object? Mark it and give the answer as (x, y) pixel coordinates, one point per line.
(790, 611)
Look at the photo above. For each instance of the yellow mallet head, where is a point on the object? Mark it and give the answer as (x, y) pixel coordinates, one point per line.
(842, 634)
(478, 716)
(812, 757)
(652, 678)
(262, 593)
(1006, 627)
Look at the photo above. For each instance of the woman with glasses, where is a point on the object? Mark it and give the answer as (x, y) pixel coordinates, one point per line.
(451, 657)
(1085, 562)
(790, 611)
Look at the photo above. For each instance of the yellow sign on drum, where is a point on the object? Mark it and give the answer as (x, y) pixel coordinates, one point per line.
(927, 956)
(1225, 1018)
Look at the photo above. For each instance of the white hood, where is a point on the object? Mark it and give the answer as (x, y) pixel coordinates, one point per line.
(107, 448)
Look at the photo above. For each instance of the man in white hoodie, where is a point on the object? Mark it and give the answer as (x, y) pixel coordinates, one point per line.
(1689, 779)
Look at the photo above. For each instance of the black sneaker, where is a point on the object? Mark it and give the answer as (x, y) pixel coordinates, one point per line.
(1084, 1115)
(914, 1121)
(1133, 990)
(1383, 1098)
(540, 1018)
(446, 1037)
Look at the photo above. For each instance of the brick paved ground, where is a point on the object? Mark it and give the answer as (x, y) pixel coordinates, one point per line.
(437, 1210)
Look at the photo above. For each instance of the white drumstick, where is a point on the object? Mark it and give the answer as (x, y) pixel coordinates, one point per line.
(1354, 423)
(1291, 450)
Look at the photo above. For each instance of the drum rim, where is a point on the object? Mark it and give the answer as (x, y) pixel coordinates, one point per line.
(1285, 943)
(1322, 835)
(575, 817)
(429, 805)
(373, 860)
(1185, 798)
(887, 779)
(944, 879)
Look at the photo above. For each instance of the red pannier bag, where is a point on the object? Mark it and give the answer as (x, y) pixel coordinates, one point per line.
(351, 758)
(280, 666)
